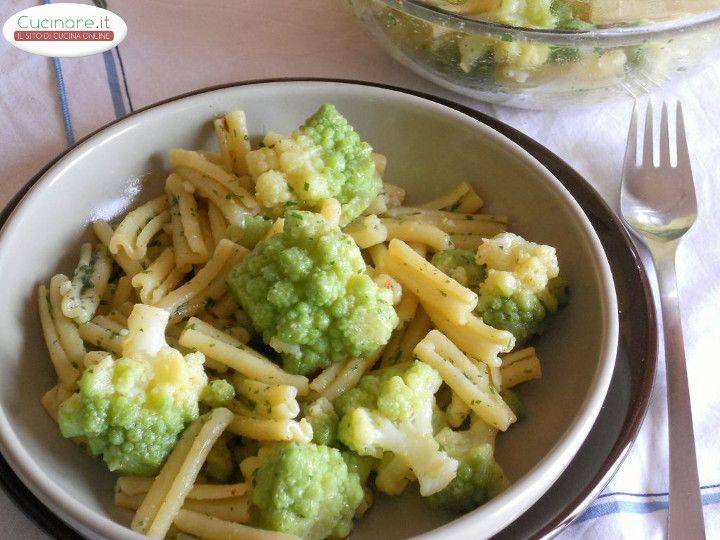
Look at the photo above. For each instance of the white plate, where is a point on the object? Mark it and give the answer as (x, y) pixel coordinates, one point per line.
(429, 147)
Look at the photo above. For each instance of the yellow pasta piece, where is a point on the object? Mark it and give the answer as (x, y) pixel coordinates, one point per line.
(61, 336)
(466, 379)
(469, 203)
(226, 201)
(104, 233)
(162, 241)
(523, 367)
(242, 359)
(475, 338)
(449, 199)
(487, 225)
(367, 231)
(428, 283)
(319, 383)
(65, 327)
(139, 485)
(269, 401)
(123, 291)
(82, 295)
(100, 337)
(52, 399)
(138, 227)
(210, 528)
(167, 494)
(415, 231)
(223, 252)
(218, 224)
(269, 429)
(350, 374)
(233, 509)
(110, 324)
(238, 186)
(179, 197)
(331, 211)
(377, 254)
(232, 137)
(172, 280)
(391, 353)
(148, 280)
(415, 331)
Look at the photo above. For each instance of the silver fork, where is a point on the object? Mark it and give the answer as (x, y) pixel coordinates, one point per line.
(659, 205)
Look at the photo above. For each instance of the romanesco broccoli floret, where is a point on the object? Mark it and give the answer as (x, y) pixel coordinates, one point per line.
(307, 490)
(393, 412)
(323, 419)
(249, 231)
(217, 393)
(479, 477)
(460, 265)
(324, 159)
(131, 410)
(307, 292)
(520, 288)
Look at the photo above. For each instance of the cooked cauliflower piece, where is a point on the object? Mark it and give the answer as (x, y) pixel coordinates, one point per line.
(324, 159)
(307, 490)
(393, 412)
(131, 410)
(307, 292)
(521, 287)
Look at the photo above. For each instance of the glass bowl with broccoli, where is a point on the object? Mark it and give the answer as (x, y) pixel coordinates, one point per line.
(540, 54)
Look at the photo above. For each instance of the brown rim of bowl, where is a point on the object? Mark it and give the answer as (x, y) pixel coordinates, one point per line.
(46, 519)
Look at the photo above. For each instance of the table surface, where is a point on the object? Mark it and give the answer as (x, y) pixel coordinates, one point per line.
(176, 46)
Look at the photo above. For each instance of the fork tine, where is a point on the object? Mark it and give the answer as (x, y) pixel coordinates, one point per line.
(631, 148)
(664, 150)
(683, 156)
(647, 156)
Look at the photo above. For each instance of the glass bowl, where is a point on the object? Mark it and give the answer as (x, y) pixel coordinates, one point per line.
(538, 68)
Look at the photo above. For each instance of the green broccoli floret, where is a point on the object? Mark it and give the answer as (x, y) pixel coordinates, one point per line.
(479, 477)
(522, 285)
(324, 159)
(393, 412)
(250, 231)
(307, 292)
(307, 490)
(521, 314)
(217, 393)
(460, 265)
(219, 465)
(132, 410)
(323, 419)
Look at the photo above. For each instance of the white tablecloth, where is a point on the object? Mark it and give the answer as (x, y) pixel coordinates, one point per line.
(174, 47)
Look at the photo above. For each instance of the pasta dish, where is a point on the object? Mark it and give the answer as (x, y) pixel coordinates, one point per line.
(278, 337)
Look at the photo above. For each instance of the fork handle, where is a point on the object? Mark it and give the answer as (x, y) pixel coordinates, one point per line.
(685, 513)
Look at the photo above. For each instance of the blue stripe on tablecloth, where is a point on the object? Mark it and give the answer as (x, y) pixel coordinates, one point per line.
(601, 509)
(124, 78)
(62, 95)
(64, 108)
(114, 84)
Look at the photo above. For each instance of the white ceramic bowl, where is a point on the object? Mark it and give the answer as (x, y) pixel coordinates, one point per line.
(429, 147)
